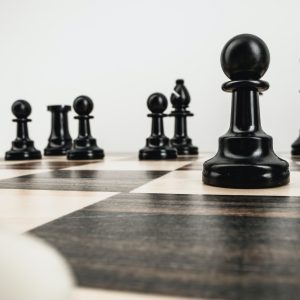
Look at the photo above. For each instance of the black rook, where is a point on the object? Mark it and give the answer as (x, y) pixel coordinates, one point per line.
(60, 140)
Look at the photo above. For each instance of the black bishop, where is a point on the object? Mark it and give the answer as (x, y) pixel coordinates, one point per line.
(180, 100)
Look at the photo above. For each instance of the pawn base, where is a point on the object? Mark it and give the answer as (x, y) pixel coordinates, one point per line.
(55, 151)
(296, 147)
(246, 162)
(184, 145)
(296, 151)
(148, 153)
(23, 155)
(85, 154)
(226, 173)
(186, 150)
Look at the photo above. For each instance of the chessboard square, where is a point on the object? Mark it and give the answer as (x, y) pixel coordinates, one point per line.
(22, 210)
(12, 173)
(294, 163)
(190, 182)
(133, 165)
(197, 165)
(82, 180)
(184, 245)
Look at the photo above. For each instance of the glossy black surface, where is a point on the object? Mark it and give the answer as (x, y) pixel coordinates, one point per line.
(245, 56)
(245, 158)
(84, 146)
(60, 140)
(157, 145)
(22, 147)
(180, 100)
(296, 147)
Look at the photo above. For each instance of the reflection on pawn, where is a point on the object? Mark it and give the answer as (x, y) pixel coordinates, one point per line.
(245, 158)
(157, 145)
(180, 100)
(22, 147)
(84, 146)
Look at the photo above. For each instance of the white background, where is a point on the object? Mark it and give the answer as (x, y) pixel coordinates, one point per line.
(120, 51)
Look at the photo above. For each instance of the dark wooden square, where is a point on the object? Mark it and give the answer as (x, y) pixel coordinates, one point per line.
(82, 180)
(204, 246)
(44, 164)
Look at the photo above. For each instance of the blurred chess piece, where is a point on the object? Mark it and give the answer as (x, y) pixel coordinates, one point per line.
(32, 269)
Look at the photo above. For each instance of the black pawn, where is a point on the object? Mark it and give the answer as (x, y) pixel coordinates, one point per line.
(84, 146)
(60, 140)
(180, 100)
(22, 147)
(157, 145)
(296, 147)
(245, 158)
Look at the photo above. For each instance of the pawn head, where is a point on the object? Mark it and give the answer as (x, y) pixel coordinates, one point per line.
(83, 105)
(21, 109)
(157, 103)
(245, 56)
(180, 98)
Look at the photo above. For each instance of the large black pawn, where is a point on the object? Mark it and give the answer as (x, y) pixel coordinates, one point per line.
(245, 158)
(180, 100)
(157, 145)
(60, 140)
(84, 146)
(22, 147)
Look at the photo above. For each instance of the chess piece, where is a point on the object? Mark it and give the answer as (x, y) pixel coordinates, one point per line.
(296, 147)
(37, 269)
(60, 140)
(22, 147)
(84, 146)
(180, 100)
(245, 158)
(157, 145)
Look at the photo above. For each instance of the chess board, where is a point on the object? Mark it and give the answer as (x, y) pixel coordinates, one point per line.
(151, 230)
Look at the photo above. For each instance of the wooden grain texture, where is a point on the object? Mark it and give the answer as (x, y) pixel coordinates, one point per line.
(44, 164)
(82, 180)
(22, 210)
(202, 246)
(198, 166)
